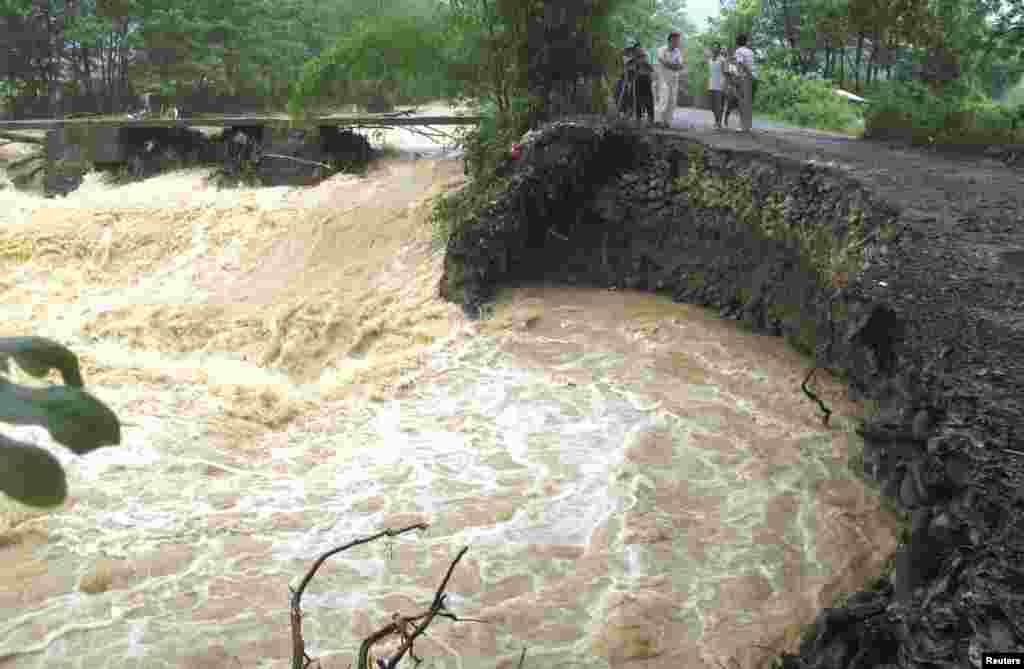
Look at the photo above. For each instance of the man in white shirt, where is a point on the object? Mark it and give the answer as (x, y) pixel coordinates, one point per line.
(744, 58)
(669, 67)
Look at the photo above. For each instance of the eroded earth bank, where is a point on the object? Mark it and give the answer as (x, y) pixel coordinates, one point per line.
(901, 272)
(639, 482)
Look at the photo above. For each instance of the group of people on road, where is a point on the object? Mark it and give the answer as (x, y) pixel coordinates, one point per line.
(651, 91)
(636, 90)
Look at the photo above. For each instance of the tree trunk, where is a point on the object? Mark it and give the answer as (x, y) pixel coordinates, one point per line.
(122, 64)
(562, 51)
(860, 52)
(842, 67)
(96, 95)
(56, 31)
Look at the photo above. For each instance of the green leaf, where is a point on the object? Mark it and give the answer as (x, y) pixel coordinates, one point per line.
(38, 355)
(73, 417)
(30, 474)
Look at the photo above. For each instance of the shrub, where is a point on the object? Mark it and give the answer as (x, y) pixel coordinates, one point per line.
(805, 102)
(486, 144)
(73, 417)
(486, 147)
(1015, 96)
(955, 117)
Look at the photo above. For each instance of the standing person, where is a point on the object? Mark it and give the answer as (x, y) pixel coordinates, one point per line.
(716, 81)
(730, 90)
(620, 86)
(627, 96)
(670, 66)
(643, 86)
(744, 58)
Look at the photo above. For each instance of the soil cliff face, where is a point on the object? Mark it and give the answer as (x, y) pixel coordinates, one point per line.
(925, 318)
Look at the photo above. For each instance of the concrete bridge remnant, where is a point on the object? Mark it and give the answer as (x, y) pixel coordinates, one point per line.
(274, 150)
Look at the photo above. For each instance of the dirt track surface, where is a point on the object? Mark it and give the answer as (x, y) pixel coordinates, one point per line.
(703, 119)
(914, 178)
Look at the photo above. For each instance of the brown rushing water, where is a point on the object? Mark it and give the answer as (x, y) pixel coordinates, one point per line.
(638, 482)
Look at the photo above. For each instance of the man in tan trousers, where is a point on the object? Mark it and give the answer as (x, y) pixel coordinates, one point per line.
(669, 67)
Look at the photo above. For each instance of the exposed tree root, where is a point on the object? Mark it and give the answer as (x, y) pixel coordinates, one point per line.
(826, 412)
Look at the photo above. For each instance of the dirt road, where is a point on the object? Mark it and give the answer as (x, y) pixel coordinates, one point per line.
(703, 120)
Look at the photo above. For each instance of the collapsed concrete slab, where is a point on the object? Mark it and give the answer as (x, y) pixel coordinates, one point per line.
(270, 157)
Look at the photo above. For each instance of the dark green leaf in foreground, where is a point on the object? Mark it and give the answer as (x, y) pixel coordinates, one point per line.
(30, 474)
(38, 355)
(73, 417)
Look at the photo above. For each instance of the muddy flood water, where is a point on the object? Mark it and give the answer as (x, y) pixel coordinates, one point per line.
(639, 483)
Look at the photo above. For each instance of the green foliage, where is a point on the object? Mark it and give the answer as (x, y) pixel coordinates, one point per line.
(487, 54)
(1015, 95)
(453, 211)
(697, 81)
(740, 18)
(399, 50)
(73, 417)
(37, 356)
(485, 147)
(956, 117)
(15, 7)
(648, 22)
(856, 41)
(805, 102)
(486, 144)
(833, 259)
(9, 90)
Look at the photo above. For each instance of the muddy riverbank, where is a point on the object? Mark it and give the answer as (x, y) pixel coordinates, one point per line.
(897, 270)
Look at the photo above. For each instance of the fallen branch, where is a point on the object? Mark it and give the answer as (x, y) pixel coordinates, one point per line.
(299, 658)
(826, 412)
(400, 625)
(398, 114)
(298, 160)
(434, 135)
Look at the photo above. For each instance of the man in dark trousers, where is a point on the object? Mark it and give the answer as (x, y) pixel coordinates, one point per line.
(641, 73)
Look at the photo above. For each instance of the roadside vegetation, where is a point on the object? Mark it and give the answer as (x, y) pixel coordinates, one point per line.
(939, 73)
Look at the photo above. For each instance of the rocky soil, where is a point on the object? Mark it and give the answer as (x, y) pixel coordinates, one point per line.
(899, 269)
